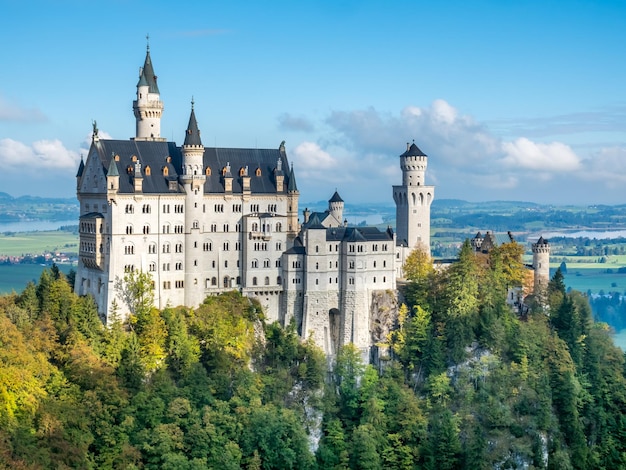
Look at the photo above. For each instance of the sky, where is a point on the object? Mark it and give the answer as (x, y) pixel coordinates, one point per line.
(510, 100)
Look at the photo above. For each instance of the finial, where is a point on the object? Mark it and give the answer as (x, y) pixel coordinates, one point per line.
(94, 134)
(148, 42)
(192, 102)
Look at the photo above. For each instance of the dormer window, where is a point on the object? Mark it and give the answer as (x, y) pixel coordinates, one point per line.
(117, 158)
(258, 172)
(168, 159)
(134, 158)
(166, 171)
(147, 171)
(207, 171)
(242, 171)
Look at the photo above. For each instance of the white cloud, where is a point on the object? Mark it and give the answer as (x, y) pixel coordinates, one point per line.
(309, 156)
(42, 155)
(552, 157)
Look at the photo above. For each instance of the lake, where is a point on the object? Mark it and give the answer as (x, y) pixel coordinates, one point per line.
(36, 225)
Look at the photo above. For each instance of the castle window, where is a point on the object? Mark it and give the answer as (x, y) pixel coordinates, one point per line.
(146, 209)
(129, 230)
(254, 281)
(180, 284)
(226, 281)
(279, 227)
(167, 284)
(166, 171)
(351, 281)
(207, 171)
(213, 264)
(279, 280)
(384, 278)
(278, 263)
(317, 249)
(258, 172)
(179, 248)
(267, 281)
(134, 158)
(166, 248)
(351, 264)
(146, 229)
(178, 209)
(330, 280)
(374, 279)
(166, 228)
(213, 227)
(225, 263)
(129, 209)
(330, 264)
(266, 263)
(317, 265)
(255, 263)
(384, 263)
(147, 171)
(255, 227)
(129, 268)
(166, 208)
(152, 267)
(225, 227)
(242, 171)
(374, 263)
(207, 246)
(166, 266)
(225, 246)
(152, 248)
(117, 158)
(129, 250)
(351, 248)
(196, 224)
(317, 281)
(214, 281)
(179, 266)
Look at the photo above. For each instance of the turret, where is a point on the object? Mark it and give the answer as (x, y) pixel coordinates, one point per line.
(113, 177)
(541, 264)
(335, 207)
(292, 204)
(148, 106)
(193, 154)
(413, 199)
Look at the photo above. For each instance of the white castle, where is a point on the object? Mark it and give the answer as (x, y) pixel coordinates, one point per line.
(205, 220)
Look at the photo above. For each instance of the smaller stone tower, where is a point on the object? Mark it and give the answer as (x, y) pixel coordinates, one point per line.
(541, 264)
(148, 106)
(335, 207)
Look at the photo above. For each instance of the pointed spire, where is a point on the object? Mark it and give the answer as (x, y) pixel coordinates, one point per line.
(147, 76)
(192, 136)
(292, 186)
(113, 168)
(81, 167)
(336, 197)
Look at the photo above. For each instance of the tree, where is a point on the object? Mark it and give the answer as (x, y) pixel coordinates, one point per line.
(136, 289)
(418, 265)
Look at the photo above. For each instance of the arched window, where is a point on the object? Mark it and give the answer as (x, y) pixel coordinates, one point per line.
(254, 281)
(207, 171)
(242, 171)
(258, 172)
(226, 281)
(147, 171)
(267, 281)
(213, 281)
(279, 280)
(166, 171)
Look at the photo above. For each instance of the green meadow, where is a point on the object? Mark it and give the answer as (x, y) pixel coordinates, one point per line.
(36, 243)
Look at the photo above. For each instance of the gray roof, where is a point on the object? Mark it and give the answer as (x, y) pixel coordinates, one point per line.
(192, 136)
(336, 198)
(81, 168)
(113, 171)
(413, 151)
(360, 234)
(159, 155)
(147, 76)
(291, 184)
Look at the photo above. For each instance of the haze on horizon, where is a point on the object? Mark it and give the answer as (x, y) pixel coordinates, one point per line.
(509, 101)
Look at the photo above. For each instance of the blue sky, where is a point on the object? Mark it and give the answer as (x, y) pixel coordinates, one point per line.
(510, 100)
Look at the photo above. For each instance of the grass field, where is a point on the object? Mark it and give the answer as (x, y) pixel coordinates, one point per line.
(14, 277)
(24, 243)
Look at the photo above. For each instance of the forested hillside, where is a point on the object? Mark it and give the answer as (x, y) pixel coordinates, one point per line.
(465, 383)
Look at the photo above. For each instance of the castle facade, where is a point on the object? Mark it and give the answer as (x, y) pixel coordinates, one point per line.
(204, 220)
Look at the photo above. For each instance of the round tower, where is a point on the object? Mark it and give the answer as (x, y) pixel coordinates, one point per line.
(335, 207)
(541, 264)
(148, 106)
(413, 199)
(193, 178)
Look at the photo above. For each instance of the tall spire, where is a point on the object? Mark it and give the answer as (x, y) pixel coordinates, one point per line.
(292, 186)
(192, 136)
(147, 75)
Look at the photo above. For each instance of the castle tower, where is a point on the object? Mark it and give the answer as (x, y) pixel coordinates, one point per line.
(148, 106)
(541, 264)
(335, 207)
(193, 179)
(413, 199)
(292, 205)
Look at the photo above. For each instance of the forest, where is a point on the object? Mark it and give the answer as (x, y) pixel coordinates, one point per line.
(464, 381)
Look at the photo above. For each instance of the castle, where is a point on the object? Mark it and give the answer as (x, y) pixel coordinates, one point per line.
(206, 220)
